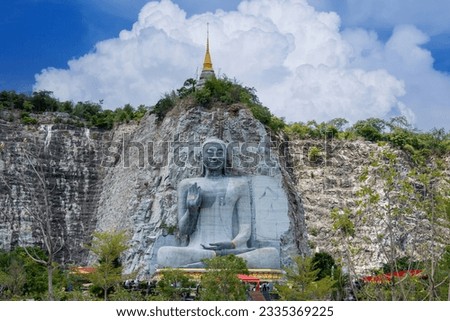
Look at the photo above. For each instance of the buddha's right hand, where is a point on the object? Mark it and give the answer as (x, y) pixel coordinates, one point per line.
(194, 199)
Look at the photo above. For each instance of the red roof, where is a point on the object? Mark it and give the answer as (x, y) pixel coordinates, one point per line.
(248, 278)
(388, 276)
(83, 269)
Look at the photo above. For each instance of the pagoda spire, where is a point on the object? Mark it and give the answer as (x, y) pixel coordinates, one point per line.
(207, 71)
(207, 63)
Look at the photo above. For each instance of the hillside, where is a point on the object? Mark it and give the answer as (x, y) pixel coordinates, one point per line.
(124, 175)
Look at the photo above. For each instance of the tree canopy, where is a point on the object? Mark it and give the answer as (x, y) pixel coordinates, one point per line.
(303, 282)
(89, 114)
(220, 282)
(108, 247)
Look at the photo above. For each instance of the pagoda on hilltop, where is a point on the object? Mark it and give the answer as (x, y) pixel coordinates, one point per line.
(207, 71)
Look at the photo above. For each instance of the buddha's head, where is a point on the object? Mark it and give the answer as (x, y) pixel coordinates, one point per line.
(214, 153)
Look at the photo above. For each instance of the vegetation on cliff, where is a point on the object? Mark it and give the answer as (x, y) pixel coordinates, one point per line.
(218, 92)
(397, 132)
(27, 109)
(229, 93)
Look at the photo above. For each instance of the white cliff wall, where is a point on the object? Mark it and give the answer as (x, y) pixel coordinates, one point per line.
(333, 181)
(68, 159)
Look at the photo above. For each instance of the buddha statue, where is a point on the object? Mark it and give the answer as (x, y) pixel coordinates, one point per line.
(214, 214)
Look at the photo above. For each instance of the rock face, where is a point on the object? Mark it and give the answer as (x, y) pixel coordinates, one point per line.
(332, 181)
(127, 178)
(67, 158)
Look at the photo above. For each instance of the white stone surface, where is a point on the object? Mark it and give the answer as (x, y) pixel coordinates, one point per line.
(270, 209)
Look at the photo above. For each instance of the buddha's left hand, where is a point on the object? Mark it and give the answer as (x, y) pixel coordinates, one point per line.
(219, 246)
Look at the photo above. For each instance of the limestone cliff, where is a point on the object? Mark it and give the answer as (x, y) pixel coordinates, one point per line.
(68, 159)
(332, 181)
(126, 178)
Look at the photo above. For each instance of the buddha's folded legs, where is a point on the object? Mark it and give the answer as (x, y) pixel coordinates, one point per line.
(172, 256)
(179, 257)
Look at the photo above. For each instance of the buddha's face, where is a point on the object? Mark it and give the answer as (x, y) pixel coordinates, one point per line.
(213, 155)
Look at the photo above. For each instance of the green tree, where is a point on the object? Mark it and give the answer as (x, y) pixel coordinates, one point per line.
(140, 112)
(188, 88)
(13, 279)
(220, 281)
(344, 225)
(203, 97)
(371, 129)
(12, 100)
(66, 107)
(173, 286)
(315, 154)
(324, 262)
(327, 267)
(432, 197)
(87, 110)
(338, 123)
(303, 284)
(22, 277)
(27, 120)
(41, 278)
(442, 276)
(163, 106)
(44, 101)
(108, 247)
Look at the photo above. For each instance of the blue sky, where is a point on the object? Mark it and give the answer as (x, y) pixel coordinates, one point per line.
(308, 60)
(47, 33)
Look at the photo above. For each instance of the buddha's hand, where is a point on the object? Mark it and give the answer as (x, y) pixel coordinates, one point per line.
(193, 199)
(219, 246)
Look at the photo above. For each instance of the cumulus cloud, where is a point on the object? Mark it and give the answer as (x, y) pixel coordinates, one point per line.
(427, 90)
(297, 58)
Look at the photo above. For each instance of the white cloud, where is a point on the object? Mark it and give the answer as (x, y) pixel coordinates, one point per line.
(324, 93)
(296, 57)
(427, 90)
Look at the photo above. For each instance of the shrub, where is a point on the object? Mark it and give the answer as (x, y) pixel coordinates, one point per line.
(162, 107)
(314, 154)
(203, 97)
(27, 120)
(261, 113)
